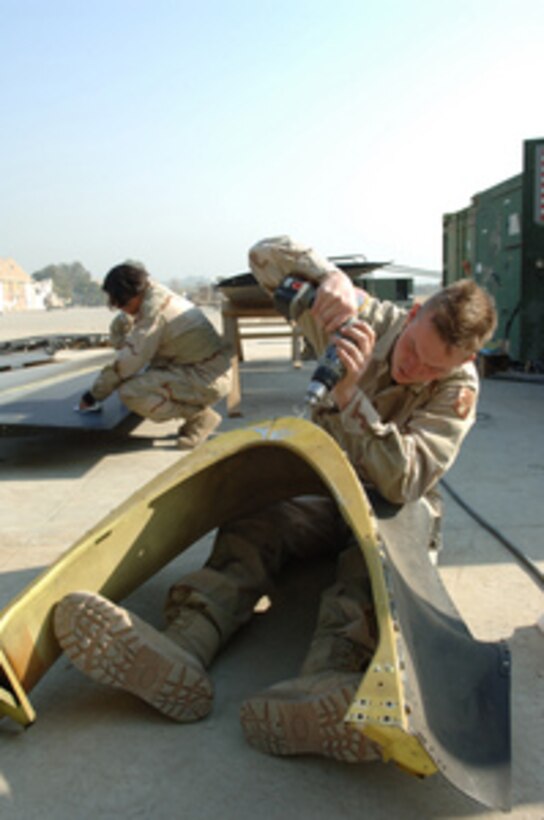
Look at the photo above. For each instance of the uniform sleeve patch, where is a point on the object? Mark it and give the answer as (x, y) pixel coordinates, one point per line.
(464, 402)
(356, 415)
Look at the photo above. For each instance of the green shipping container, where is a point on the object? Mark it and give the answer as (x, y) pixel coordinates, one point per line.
(497, 263)
(499, 240)
(458, 244)
(532, 254)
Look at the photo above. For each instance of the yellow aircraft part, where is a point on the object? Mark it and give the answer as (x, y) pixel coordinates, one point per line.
(224, 478)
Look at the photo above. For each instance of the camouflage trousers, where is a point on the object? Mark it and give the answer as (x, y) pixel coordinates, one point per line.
(168, 392)
(247, 555)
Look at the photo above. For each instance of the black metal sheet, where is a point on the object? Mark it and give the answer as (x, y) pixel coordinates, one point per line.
(458, 687)
(26, 358)
(52, 405)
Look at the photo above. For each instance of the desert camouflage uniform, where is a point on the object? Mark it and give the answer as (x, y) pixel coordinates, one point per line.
(400, 439)
(171, 362)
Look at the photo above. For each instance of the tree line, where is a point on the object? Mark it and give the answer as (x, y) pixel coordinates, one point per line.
(72, 284)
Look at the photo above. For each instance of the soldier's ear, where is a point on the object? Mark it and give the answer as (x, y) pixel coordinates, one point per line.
(412, 313)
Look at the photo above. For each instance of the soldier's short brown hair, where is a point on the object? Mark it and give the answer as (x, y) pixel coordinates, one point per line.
(463, 314)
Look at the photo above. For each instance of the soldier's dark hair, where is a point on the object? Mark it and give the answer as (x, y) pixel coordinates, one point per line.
(123, 282)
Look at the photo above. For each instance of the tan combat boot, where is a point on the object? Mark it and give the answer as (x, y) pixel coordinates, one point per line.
(306, 715)
(198, 428)
(115, 647)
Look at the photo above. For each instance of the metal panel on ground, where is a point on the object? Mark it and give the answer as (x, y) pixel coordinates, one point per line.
(457, 688)
(46, 397)
(433, 696)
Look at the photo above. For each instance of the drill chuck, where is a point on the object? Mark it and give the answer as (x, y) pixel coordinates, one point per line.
(315, 391)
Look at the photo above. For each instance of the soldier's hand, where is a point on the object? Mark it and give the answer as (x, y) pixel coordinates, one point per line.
(87, 401)
(335, 302)
(354, 346)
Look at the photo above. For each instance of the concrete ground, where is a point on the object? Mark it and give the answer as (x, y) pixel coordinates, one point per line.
(96, 752)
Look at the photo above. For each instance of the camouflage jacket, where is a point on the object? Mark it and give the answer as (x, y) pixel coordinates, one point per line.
(168, 331)
(400, 438)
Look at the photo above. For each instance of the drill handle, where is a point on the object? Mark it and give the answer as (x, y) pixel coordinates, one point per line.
(293, 296)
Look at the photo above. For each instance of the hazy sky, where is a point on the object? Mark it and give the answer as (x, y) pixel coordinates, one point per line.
(178, 132)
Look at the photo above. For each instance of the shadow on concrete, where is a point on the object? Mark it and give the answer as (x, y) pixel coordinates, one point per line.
(59, 454)
(14, 582)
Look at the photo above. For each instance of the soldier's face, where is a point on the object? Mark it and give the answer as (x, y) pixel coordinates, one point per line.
(420, 355)
(133, 305)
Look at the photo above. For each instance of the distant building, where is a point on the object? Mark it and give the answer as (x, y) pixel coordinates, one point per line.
(15, 287)
(18, 291)
(499, 240)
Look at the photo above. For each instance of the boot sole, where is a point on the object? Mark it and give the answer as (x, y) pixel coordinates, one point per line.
(311, 726)
(114, 647)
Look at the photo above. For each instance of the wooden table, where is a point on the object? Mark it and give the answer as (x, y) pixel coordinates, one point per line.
(253, 322)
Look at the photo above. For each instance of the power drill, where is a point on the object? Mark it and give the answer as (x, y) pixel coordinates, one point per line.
(291, 299)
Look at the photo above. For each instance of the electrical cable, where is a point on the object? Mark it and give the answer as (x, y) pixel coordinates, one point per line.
(527, 563)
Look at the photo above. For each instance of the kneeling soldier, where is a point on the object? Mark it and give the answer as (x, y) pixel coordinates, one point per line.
(171, 362)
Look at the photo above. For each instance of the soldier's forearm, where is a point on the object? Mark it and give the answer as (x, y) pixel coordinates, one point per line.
(107, 381)
(272, 259)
